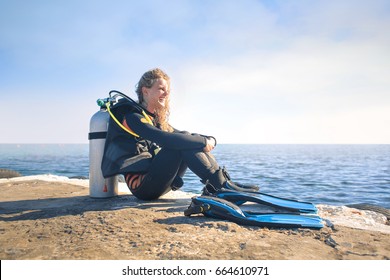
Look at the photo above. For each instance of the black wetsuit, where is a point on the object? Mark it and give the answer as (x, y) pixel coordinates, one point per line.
(126, 154)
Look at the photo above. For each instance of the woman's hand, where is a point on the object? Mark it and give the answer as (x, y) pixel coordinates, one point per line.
(210, 144)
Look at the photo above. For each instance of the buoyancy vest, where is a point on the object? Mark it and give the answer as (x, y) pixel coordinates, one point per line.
(124, 153)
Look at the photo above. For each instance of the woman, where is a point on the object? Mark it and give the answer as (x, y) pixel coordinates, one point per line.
(155, 156)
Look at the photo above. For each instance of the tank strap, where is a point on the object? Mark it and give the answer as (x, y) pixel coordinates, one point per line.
(147, 118)
(97, 135)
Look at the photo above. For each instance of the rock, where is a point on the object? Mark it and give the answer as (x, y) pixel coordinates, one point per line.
(7, 173)
(371, 207)
(354, 218)
(52, 217)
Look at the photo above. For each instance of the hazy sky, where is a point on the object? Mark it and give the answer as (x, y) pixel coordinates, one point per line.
(244, 71)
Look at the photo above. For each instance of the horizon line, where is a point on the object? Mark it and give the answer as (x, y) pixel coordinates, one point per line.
(226, 143)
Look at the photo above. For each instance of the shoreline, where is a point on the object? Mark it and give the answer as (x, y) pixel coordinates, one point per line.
(53, 217)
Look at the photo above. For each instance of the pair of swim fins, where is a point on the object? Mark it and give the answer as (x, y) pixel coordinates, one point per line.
(225, 204)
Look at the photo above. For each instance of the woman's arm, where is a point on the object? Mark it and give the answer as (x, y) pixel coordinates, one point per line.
(175, 140)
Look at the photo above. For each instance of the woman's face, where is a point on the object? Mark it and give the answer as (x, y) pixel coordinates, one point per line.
(157, 95)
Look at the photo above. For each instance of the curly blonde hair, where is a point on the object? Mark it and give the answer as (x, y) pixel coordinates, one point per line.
(147, 80)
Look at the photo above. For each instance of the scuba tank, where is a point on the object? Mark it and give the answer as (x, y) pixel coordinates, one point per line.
(99, 187)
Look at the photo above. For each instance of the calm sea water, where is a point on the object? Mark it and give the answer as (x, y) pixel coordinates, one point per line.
(330, 174)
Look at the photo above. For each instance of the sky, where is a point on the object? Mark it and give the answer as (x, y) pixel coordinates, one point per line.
(249, 71)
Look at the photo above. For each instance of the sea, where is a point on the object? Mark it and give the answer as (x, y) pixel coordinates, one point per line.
(322, 174)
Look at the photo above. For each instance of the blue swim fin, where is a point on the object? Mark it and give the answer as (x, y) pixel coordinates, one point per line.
(290, 205)
(221, 209)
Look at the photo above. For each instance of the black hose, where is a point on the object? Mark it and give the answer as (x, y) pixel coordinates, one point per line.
(126, 97)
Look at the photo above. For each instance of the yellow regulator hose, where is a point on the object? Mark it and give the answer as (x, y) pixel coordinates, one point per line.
(122, 126)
